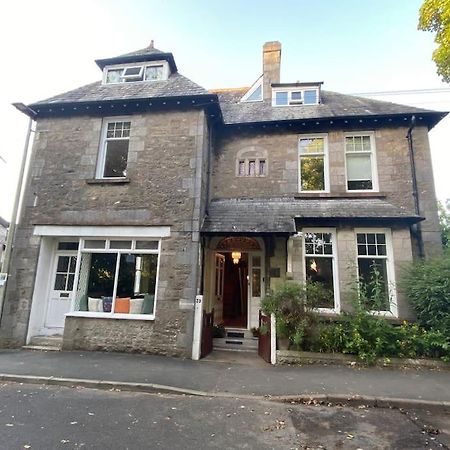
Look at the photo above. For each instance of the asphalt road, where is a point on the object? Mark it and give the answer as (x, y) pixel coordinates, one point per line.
(50, 417)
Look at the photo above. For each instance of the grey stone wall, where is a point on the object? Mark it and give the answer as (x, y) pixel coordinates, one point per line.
(165, 171)
(394, 170)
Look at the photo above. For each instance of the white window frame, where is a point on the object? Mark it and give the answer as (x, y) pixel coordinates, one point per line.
(334, 263)
(119, 252)
(325, 162)
(373, 160)
(256, 85)
(290, 90)
(103, 141)
(390, 268)
(143, 65)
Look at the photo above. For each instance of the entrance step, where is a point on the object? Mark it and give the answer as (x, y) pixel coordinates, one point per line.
(236, 340)
(46, 343)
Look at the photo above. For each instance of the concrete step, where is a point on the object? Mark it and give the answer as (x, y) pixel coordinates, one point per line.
(233, 343)
(238, 333)
(53, 342)
(42, 348)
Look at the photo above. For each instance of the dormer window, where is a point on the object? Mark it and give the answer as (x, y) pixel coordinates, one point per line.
(132, 72)
(295, 96)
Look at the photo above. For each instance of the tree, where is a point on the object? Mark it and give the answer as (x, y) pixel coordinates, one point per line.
(434, 16)
(444, 222)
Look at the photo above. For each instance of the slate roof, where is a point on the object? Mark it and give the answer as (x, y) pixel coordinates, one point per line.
(277, 215)
(333, 105)
(176, 85)
(3, 223)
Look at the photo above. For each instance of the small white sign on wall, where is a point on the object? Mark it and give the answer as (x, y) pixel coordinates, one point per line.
(3, 278)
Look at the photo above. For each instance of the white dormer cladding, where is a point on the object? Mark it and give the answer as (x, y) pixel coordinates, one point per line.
(255, 93)
(142, 71)
(295, 94)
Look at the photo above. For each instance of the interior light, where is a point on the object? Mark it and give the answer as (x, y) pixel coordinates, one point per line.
(236, 257)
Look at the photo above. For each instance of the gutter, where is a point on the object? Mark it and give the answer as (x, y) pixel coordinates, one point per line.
(18, 196)
(417, 229)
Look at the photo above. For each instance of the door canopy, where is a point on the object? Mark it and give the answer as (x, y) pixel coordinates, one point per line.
(244, 244)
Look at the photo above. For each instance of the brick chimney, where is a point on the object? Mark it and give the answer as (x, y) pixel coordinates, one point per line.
(271, 66)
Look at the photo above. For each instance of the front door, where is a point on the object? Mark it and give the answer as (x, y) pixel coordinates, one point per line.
(61, 286)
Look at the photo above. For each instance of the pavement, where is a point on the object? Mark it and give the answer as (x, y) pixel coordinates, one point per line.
(229, 374)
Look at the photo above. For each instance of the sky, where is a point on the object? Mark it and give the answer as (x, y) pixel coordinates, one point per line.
(354, 46)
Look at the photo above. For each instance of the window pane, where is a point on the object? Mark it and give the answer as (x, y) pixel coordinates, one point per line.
(359, 167)
(72, 264)
(116, 158)
(67, 245)
(281, 98)
(147, 245)
(297, 95)
(132, 71)
(136, 280)
(312, 174)
(70, 282)
(381, 238)
(314, 145)
(320, 270)
(256, 282)
(94, 243)
(63, 264)
(262, 166)
(113, 76)
(153, 73)
(60, 282)
(241, 168)
(251, 167)
(120, 244)
(101, 275)
(310, 97)
(256, 95)
(374, 283)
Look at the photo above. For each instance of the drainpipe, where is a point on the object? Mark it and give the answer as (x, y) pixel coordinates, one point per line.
(16, 212)
(417, 230)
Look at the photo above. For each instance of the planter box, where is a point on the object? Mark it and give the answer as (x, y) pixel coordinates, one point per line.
(295, 357)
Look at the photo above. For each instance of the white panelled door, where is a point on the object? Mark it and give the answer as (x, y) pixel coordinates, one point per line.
(60, 292)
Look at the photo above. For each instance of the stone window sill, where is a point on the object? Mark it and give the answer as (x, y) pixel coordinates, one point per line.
(108, 181)
(99, 315)
(340, 195)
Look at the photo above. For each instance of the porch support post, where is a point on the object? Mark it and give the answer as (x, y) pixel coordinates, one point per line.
(290, 249)
(197, 335)
(273, 340)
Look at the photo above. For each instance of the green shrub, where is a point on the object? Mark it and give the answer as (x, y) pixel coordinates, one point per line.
(427, 286)
(293, 305)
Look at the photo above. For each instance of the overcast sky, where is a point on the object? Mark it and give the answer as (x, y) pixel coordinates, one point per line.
(354, 46)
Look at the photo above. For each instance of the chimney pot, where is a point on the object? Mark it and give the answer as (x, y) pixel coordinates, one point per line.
(151, 44)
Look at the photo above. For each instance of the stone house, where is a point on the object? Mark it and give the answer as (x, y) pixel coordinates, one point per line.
(146, 190)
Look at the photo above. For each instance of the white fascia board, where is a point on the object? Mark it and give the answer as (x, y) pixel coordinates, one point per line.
(103, 231)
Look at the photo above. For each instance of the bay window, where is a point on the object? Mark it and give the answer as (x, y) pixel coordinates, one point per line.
(117, 278)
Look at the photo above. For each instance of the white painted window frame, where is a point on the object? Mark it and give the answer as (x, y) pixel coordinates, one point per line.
(101, 159)
(144, 65)
(256, 85)
(334, 263)
(290, 90)
(390, 268)
(325, 161)
(118, 252)
(373, 160)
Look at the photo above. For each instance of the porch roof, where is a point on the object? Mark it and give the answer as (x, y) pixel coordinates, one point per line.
(279, 215)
